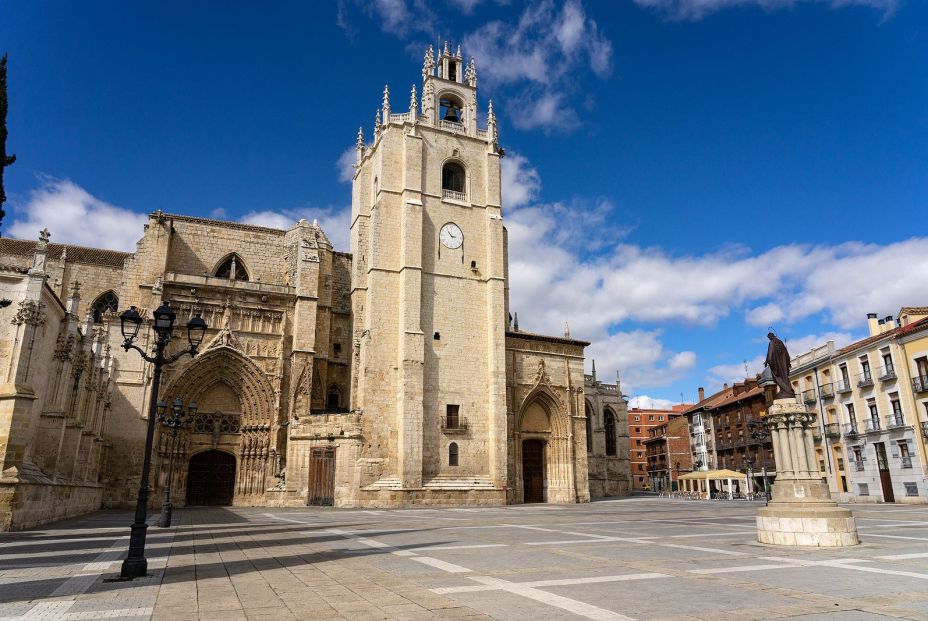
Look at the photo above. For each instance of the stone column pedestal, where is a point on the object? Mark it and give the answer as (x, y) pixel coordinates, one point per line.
(802, 512)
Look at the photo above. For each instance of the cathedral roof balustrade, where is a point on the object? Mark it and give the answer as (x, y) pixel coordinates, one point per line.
(173, 278)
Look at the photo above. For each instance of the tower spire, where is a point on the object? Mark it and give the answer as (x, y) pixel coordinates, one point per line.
(428, 64)
(594, 369)
(492, 131)
(376, 123)
(359, 145)
(470, 73)
(386, 103)
(413, 104)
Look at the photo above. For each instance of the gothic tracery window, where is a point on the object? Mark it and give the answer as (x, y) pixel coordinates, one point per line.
(609, 428)
(106, 303)
(232, 268)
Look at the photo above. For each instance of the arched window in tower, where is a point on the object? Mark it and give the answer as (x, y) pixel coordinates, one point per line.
(453, 181)
(106, 303)
(609, 429)
(232, 268)
(453, 454)
(451, 110)
(333, 398)
(589, 428)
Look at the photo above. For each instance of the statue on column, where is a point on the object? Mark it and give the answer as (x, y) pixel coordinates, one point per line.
(778, 363)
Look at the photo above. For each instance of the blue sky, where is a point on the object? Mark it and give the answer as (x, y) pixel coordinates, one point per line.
(681, 173)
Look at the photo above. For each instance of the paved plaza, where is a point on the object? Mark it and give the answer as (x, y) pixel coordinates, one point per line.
(635, 558)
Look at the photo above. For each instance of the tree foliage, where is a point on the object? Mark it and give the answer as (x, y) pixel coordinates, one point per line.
(5, 160)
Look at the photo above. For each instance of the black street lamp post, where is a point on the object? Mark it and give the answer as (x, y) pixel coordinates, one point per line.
(135, 565)
(759, 432)
(172, 418)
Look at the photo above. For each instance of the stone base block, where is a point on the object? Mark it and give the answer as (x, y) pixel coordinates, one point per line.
(812, 524)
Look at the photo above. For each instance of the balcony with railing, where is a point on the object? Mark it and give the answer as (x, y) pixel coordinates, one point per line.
(842, 387)
(894, 421)
(808, 396)
(864, 379)
(832, 430)
(887, 373)
(924, 426)
(920, 383)
(817, 434)
(453, 194)
(827, 390)
(850, 430)
(451, 424)
(905, 461)
(860, 464)
(452, 126)
(872, 425)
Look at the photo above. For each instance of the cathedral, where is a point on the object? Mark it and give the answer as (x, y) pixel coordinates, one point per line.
(393, 375)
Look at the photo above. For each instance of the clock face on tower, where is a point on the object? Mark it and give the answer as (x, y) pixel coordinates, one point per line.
(451, 236)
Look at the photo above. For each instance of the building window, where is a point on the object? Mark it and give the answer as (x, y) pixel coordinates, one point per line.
(232, 268)
(609, 428)
(911, 489)
(637, 418)
(452, 180)
(651, 418)
(589, 428)
(865, 369)
(864, 489)
(451, 109)
(452, 418)
(453, 454)
(660, 418)
(333, 398)
(106, 304)
(637, 429)
(637, 442)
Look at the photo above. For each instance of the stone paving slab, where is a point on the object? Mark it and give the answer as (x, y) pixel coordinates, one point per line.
(637, 558)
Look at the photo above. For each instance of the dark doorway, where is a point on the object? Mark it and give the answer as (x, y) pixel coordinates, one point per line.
(211, 479)
(322, 476)
(886, 481)
(533, 471)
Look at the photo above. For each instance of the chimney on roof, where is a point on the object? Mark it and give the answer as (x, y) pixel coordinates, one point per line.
(725, 386)
(872, 324)
(702, 393)
(890, 322)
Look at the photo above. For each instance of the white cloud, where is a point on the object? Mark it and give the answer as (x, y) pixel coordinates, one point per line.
(568, 262)
(697, 9)
(641, 357)
(764, 315)
(400, 17)
(520, 181)
(466, 6)
(74, 216)
(804, 344)
(345, 165)
(651, 403)
(334, 222)
(731, 373)
(541, 54)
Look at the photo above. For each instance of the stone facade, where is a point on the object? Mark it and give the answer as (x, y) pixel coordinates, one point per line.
(385, 377)
(55, 391)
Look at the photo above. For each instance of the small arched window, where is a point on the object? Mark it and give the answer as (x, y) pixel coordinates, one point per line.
(452, 178)
(107, 303)
(589, 428)
(232, 268)
(333, 398)
(609, 429)
(453, 454)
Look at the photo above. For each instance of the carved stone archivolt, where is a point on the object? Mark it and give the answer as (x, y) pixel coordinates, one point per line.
(257, 455)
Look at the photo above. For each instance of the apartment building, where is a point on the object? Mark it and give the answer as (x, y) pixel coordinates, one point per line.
(667, 449)
(869, 396)
(640, 423)
(727, 432)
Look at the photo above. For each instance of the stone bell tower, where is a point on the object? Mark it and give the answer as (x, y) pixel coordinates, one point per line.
(428, 289)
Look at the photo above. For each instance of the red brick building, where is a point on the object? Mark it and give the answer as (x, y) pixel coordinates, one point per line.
(668, 453)
(640, 423)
